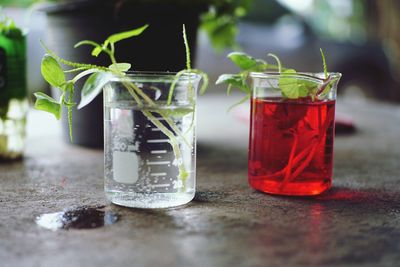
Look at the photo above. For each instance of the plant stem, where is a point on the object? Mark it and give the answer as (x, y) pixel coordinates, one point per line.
(135, 91)
(132, 93)
(174, 127)
(139, 91)
(296, 161)
(291, 156)
(183, 174)
(70, 104)
(307, 153)
(305, 163)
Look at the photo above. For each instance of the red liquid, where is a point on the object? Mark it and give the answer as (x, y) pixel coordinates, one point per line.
(291, 146)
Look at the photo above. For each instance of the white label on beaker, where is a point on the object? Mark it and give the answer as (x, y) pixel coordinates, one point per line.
(125, 167)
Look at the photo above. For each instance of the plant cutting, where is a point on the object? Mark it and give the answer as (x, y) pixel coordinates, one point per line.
(13, 96)
(291, 126)
(140, 109)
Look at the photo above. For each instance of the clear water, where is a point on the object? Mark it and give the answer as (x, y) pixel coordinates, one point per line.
(141, 169)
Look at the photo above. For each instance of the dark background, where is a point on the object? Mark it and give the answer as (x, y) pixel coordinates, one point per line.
(359, 37)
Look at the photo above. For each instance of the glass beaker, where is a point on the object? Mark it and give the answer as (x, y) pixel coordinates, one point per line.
(291, 140)
(149, 139)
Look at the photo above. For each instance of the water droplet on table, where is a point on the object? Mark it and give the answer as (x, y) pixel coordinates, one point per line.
(84, 217)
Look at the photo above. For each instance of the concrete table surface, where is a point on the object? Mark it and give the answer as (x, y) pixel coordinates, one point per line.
(357, 223)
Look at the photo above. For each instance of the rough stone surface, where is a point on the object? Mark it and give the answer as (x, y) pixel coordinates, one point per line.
(357, 223)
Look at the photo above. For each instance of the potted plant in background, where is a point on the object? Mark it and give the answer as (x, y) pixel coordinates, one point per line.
(70, 21)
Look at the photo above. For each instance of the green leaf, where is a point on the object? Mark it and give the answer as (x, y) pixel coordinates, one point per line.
(93, 86)
(125, 35)
(311, 87)
(234, 79)
(291, 87)
(242, 60)
(96, 51)
(48, 104)
(52, 71)
(120, 67)
(246, 62)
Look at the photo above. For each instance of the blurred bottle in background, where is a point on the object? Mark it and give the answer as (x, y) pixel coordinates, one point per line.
(13, 93)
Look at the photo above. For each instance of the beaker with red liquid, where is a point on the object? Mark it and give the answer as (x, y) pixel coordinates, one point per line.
(291, 140)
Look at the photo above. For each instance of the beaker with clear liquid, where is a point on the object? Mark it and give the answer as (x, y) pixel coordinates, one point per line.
(150, 140)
